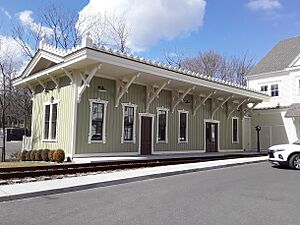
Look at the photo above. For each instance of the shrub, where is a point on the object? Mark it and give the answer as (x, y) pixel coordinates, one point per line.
(32, 155)
(16, 155)
(50, 155)
(22, 155)
(59, 155)
(44, 155)
(38, 155)
(27, 156)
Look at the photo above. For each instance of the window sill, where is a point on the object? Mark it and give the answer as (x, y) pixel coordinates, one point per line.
(235, 142)
(49, 140)
(161, 142)
(96, 142)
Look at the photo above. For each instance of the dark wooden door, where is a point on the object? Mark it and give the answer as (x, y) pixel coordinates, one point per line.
(146, 133)
(211, 137)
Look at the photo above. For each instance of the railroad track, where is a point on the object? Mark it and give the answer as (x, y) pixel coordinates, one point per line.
(63, 169)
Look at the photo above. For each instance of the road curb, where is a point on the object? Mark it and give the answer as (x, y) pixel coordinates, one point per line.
(117, 182)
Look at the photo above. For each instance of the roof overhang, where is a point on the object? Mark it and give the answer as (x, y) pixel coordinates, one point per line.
(86, 57)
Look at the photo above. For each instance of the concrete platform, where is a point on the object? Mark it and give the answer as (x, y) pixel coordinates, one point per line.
(40, 188)
(165, 156)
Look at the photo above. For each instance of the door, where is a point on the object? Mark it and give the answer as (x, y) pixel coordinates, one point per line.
(146, 135)
(211, 137)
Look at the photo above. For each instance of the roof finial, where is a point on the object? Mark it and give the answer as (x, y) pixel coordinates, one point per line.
(87, 41)
(43, 40)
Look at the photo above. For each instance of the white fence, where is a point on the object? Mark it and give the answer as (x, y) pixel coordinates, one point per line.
(26, 143)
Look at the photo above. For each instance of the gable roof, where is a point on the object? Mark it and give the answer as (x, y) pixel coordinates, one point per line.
(279, 58)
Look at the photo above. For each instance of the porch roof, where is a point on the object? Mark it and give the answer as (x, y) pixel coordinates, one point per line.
(118, 65)
(293, 111)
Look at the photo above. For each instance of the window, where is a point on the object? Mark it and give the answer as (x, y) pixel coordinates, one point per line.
(235, 138)
(50, 121)
(264, 88)
(183, 123)
(97, 120)
(274, 90)
(162, 125)
(299, 86)
(128, 132)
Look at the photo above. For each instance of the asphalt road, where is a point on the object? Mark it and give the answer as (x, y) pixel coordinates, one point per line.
(250, 194)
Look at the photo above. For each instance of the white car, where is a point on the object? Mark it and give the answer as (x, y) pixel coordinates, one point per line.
(286, 155)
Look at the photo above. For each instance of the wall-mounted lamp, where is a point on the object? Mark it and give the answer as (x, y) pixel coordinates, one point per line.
(52, 99)
(186, 101)
(102, 89)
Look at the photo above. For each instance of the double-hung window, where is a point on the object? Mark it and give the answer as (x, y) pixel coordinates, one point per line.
(234, 130)
(97, 120)
(183, 126)
(162, 125)
(129, 118)
(50, 120)
(264, 88)
(274, 90)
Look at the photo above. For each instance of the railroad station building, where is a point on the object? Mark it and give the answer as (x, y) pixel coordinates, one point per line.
(92, 101)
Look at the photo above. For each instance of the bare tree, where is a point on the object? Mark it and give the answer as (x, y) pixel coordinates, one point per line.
(174, 57)
(213, 64)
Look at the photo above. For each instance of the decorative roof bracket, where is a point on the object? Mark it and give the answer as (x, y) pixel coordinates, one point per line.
(41, 83)
(69, 74)
(151, 94)
(55, 81)
(177, 98)
(86, 81)
(236, 108)
(220, 106)
(122, 88)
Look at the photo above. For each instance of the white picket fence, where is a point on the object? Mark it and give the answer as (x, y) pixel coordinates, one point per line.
(26, 143)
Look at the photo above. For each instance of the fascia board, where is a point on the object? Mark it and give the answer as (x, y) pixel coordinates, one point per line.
(78, 56)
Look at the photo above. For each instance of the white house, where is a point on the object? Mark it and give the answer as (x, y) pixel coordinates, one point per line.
(277, 74)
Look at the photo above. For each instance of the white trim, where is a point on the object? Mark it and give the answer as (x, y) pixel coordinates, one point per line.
(167, 124)
(177, 152)
(134, 122)
(74, 115)
(140, 130)
(204, 132)
(237, 130)
(105, 154)
(49, 139)
(90, 141)
(231, 150)
(186, 129)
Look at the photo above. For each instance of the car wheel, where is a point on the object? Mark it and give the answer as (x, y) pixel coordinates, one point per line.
(294, 162)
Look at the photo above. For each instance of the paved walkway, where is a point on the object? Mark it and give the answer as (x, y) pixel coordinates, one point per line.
(164, 156)
(25, 190)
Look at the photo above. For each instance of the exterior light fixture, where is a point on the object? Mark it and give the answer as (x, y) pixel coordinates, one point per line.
(102, 89)
(51, 99)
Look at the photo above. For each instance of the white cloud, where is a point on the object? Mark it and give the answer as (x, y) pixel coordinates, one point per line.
(150, 21)
(7, 14)
(27, 20)
(9, 48)
(264, 4)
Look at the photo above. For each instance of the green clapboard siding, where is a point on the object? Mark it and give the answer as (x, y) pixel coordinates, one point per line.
(137, 95)
(64, 117)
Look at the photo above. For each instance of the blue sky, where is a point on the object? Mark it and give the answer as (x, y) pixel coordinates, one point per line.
(232, 27)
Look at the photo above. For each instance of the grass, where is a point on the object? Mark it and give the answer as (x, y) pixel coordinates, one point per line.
(21, 164)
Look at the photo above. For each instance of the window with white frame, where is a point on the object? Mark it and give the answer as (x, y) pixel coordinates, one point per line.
(183, 126)
(129, 118)
(50, 120)
(97, 120)
(162, 125)
(235, 137)
(264, 88)
(274, 90)
(298, 86)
